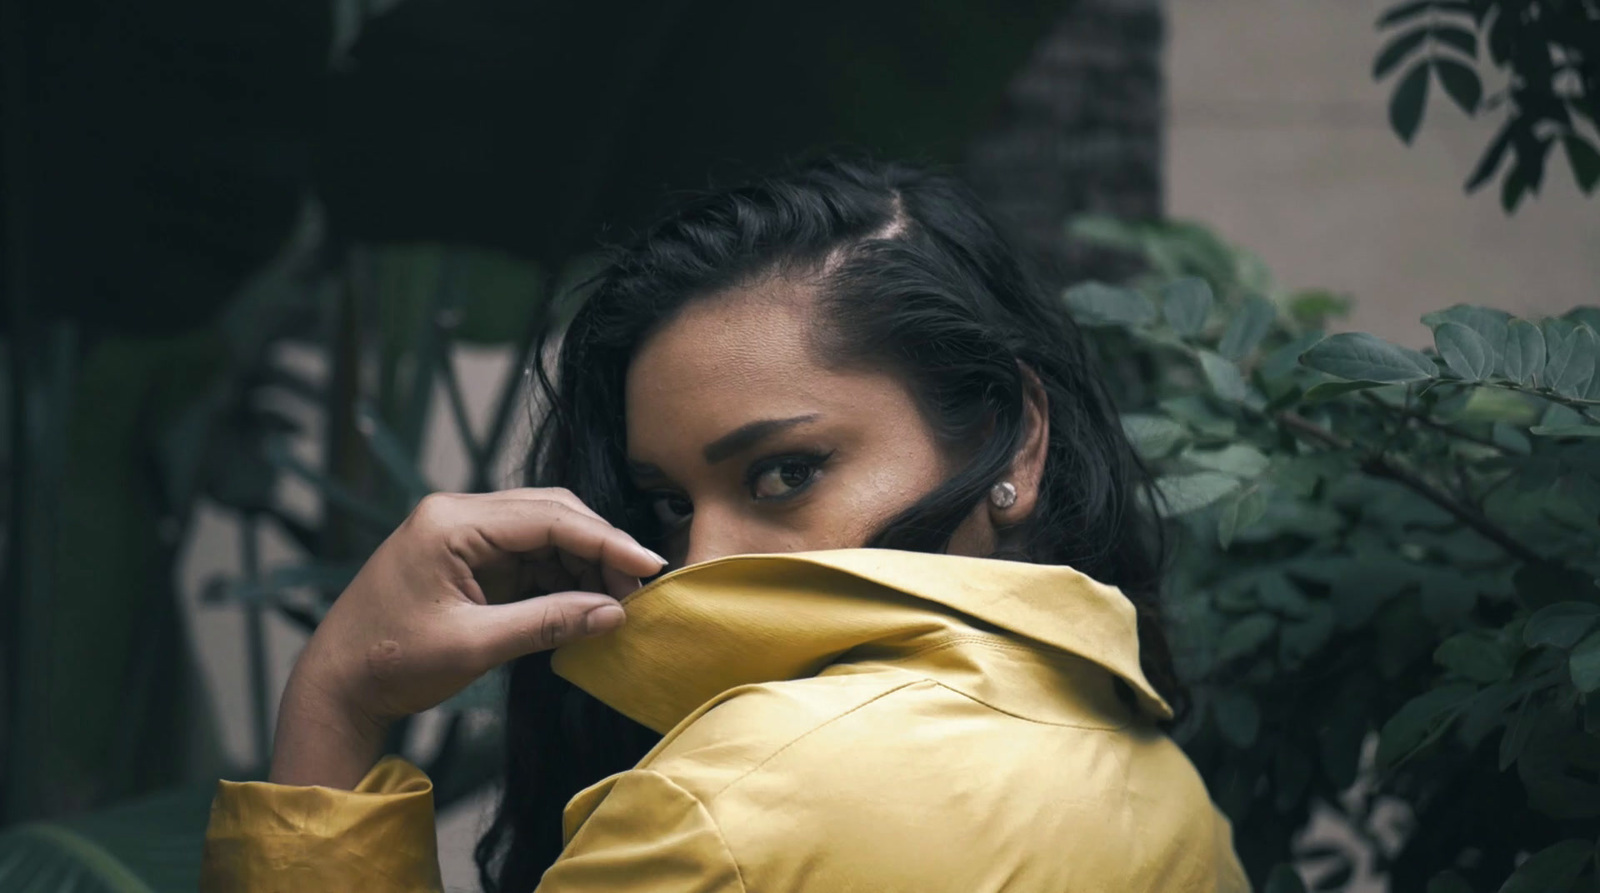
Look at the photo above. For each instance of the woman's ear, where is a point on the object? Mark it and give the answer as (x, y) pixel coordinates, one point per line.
(1027, 466)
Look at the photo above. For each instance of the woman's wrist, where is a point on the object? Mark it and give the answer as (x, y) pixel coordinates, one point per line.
(321, 740)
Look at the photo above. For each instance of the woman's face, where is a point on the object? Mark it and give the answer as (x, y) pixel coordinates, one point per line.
(746, 444)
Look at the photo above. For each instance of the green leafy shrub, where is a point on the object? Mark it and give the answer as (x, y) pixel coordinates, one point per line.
(1384, 596)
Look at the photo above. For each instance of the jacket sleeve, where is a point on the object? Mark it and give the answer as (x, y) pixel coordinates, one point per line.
(271, 838)
(644, 833)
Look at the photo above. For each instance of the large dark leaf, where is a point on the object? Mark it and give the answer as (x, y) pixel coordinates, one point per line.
(151, 845)
(1585, 162)
(1405, 108)
(1461, 82)
(1397, 51)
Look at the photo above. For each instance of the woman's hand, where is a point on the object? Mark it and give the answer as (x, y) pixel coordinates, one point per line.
(442, 601)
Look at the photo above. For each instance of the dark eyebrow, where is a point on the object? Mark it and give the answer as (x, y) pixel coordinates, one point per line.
(747, 436)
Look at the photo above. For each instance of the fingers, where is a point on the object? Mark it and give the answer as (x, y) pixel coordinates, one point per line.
(480, 529)
(505, 632)
(553, 494)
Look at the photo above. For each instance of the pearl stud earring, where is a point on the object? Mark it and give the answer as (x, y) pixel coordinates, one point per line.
(1003, 495)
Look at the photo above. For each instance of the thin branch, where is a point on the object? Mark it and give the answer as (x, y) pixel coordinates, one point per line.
(1379, 466)
(1408, 414)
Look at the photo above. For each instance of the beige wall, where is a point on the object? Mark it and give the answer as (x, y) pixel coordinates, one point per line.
(1279, 137)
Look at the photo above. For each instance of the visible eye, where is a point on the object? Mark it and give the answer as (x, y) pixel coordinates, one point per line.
(784, 476)
(671, 509)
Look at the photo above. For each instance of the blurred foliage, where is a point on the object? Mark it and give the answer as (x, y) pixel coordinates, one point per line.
(1548, 56)
(145, 845)
(1385, 595)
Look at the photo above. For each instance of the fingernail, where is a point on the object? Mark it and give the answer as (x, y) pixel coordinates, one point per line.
(658, 558)
(603, 619)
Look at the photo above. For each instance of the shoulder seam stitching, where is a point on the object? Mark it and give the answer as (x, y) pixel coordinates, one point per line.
(919, 680)
(738, 871)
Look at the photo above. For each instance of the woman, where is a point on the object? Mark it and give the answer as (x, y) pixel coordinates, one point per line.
(768, 380)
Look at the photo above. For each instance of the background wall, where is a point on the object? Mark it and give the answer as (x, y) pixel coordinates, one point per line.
(1278, 137)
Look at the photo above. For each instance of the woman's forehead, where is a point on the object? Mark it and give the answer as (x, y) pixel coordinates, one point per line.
(728, 360)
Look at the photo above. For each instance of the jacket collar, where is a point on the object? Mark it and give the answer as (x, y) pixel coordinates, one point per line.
(701, 630)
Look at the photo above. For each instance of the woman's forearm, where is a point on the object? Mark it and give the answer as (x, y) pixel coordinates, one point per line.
(320, 742)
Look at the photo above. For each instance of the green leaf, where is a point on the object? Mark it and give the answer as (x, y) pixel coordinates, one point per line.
(1247, 327)
(1550, 869)
(1448, 882)
(1239, 513)
(1314, 307)
(150, 844)
(1459, 39)
(1225, 379)
(1541, 583)
(1238, 717)
(1510, 437)
(1560, 625)
(1571, 364)
(1152, 436)
(1095, 303)
(1410, 97)
(1492, 156)
(1464, 351)
(1238, 459)
(1197, 413)
(1560, 337)
(391, 453)
(1108, 231)
(1419, 722)
(1475, 656)
(1518, 182)
(1565, 430)
(1184, 493)
(1245, 636)
(1186, 303)
(1557, 415)
(1277, 592)
(1493, 405)
(1523, 360)
(1461, 83)
(1558, 768)
(1515, 738)
(1585, 664)
(1328, 390)
(1357, 356)
(1303, 638)
(1396, 51)
(1585, 161)
(1486, 321)
(1284, 879)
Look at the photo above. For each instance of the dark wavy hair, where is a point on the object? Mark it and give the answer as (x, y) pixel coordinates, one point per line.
(912, 276)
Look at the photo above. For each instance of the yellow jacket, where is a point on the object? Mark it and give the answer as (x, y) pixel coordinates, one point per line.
(852, 720)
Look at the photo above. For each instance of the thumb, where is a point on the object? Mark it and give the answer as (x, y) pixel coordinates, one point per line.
(509, 631)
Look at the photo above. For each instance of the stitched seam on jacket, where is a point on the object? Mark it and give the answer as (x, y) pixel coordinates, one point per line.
(738, 872)
(813, 730)
(997, 644)
(1036, 721)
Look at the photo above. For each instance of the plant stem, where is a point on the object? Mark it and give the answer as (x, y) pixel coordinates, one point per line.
(1408, 414)
(1378, 465)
